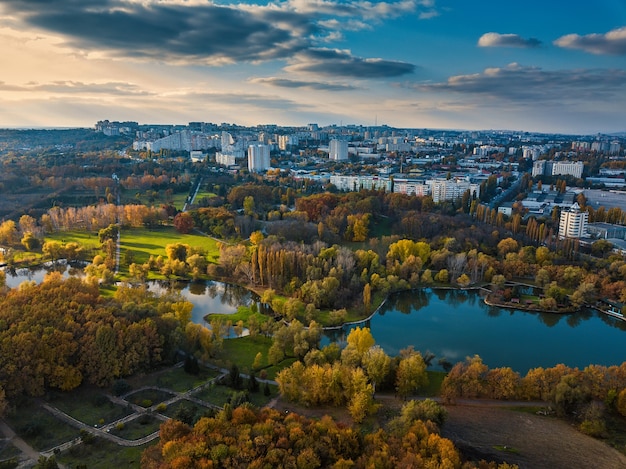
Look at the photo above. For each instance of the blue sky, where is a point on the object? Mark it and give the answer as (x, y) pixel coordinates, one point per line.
(555, 66)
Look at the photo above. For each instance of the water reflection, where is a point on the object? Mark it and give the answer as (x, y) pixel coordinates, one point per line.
(454, 324)
(208, 297)
(14, 277)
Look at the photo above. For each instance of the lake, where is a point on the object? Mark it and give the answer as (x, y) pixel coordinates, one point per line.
(457, 323)
(449, 323)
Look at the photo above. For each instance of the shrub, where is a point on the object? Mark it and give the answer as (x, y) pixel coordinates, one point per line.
(121, 387)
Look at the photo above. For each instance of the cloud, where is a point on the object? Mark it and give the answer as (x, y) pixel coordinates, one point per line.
(334, 62)
(534, 86)
(507, 40)
(288, 83)
(202, 32)
(611, 43)
(75, 87)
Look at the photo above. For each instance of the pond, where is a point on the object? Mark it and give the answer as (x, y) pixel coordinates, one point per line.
(14, 277)
(208, 297)
(457, 323)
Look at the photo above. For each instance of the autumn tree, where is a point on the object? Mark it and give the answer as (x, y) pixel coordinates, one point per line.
(411, 374)
(183, 222)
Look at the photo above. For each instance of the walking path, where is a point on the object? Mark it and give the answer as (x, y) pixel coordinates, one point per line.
(31, 455)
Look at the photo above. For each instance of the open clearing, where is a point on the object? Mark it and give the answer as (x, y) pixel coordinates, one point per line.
(530, 441)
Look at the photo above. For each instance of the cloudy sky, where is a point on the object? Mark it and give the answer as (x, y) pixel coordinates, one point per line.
(557, 66)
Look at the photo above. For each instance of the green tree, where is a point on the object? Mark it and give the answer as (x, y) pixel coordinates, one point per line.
(248, 205)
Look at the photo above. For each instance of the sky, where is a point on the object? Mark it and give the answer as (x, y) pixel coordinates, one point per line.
(537, 66)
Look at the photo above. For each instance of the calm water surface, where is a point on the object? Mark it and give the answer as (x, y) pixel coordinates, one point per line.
(457, 323)
(449, 323)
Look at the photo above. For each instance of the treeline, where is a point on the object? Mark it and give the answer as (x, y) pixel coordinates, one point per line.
(252, 438)
(350, 377)
(61, 333)
(584, 394)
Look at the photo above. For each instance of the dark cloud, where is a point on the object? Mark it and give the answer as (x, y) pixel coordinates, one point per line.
(535, 86)
(202, 33)
(341, 63)
(611, 43)
(507, 40)
(313, 85)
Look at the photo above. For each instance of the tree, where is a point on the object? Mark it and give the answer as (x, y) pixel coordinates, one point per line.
(621, 402)
(8, 233)
(367, 297)
(359, 341)
(30, 242)
(506, 246)
(248, 205)
(110, 232)
(411, 375)
(177, 251)
(377, 364)
(183, 222)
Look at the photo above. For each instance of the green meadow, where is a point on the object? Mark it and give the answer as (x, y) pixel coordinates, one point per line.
(139, 244)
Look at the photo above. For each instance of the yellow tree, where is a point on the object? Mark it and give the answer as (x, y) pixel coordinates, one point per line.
(411, 374)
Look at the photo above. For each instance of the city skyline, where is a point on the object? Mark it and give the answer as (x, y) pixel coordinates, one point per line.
(556, 68)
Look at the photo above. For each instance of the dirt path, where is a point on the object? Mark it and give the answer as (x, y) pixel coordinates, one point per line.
(530, 441)
(29, 452)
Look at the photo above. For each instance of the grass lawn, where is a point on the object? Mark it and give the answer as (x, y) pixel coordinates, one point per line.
(272, 371)
(219, 394)
(143, 425)
(149, 397)
(243, 350)
(86, 239)
(103, 454)
(203, 194)
(190, 408)
(39, 428)
(89, 406)
(243, 314)
(8, 451)
(143, 243)
(435, 378)
(178, 380)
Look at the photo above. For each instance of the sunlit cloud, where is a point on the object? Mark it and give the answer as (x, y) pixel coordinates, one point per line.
(611, 43)
(507, 40)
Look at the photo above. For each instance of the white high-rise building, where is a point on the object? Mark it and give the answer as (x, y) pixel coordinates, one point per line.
(258, 157)
(338, 150)
(573, 223)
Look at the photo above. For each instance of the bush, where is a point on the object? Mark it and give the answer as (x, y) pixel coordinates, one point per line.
(162, 407)
(87, 437)
(146, 403)
(120, 426)
(121, 387)
(595, 428)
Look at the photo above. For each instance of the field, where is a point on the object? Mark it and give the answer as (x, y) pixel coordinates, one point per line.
(495, 433)
(140, 244)
(84, 238)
